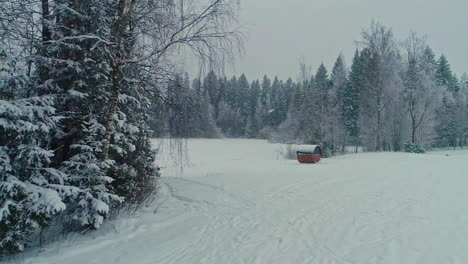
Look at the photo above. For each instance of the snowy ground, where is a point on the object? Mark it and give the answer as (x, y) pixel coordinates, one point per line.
(239, 202)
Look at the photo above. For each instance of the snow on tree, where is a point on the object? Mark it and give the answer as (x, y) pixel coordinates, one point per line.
(380, 88)
(450, 117)
(30, 187)
(75, 101)
(350, 112)
(419, 91)
(321, 98)
(335, 127)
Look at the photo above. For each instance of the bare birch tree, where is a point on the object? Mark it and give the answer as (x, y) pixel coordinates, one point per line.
(157, 29)
(419, 89)
(378, 40)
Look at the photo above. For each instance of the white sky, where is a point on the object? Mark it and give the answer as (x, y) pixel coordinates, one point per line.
(280, 32)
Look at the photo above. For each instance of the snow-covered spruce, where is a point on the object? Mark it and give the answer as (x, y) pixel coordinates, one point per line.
(54, 129)
(28, 183)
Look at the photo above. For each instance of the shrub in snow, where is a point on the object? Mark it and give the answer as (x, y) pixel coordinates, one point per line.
(288, 151)
(413, 148)
(327, 151)
(266, 132)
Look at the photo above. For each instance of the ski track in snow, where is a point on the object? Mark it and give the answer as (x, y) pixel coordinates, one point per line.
(239, 203)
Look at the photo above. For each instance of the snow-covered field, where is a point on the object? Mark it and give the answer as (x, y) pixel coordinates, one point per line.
(240, 202)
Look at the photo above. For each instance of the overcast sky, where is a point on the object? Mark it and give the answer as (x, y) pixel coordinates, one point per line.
(280, 32)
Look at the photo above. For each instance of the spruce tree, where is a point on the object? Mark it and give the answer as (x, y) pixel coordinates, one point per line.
(428, 62)
(443, 74)
(276, 103)
(321, 88)
(350, 97)
(211, 87)
(243, 96)
(252, 124)
(447, 126)
(265, 101)
(289, 131)
(30, 186)
(335, 126)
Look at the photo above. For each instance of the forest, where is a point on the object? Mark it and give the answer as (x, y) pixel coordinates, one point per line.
(395, 96)
(76, 82)
(85, 85)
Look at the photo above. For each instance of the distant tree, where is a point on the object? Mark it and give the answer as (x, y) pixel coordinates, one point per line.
(443, 74)
(243, 92)
(350, 99)
(275, 117)
(321, 92)
(449, 115)
(428, 62)
(211, 88)
(265, 94)
(336, 125)
(252, 126)
(266, 103)
(419, 87)
(380, 62)
(289, 130)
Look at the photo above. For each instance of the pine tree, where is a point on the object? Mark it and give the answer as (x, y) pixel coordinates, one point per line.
(92, 148)
(232, 92)
(322, 86)
(265, 100)
(282, 101)
(243, 96)
(443, 72)
(290, 130)
(211, 87)
(30, 187)
(276, 103)
(445, 77)
(350, 97)
(448, 127)
(73, 115)
(428, 62)
(381, 127)
(335, 126)
(310, 114)
(254, 96)
(221, 94)
(252, 124)
(289, 89)
(446, 123)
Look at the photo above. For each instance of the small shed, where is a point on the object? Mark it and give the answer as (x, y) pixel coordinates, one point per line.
(309, 153)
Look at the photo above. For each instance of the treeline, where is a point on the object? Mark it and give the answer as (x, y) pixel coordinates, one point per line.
(76, 79)
(393, 97)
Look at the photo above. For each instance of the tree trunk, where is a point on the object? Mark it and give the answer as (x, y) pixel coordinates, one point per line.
(117, 31)
(112, 111)
(46, 33)
(378, 146)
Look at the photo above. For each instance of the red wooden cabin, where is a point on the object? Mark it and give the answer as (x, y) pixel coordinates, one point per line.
(309, 153)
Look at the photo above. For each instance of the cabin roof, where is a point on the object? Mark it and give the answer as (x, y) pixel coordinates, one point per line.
(307, 148)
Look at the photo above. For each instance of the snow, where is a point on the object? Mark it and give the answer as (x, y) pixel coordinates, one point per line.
(305, 148)
(240, 202)
(44, 200)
